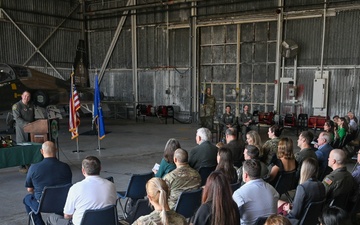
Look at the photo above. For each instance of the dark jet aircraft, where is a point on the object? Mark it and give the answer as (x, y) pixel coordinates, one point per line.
(45, 89)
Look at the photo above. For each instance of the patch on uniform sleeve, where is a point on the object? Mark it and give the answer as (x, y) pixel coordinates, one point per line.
(14, 107)
(328, 181)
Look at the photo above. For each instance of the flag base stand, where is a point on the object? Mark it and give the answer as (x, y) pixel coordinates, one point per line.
(99, 149)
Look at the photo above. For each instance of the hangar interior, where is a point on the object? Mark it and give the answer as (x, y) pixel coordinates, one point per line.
(298, 56)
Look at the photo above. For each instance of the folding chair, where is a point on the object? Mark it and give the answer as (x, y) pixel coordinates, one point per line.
(188, 202)
(106, 216)
(142, 208)
(235, 186)
(340, 201)
(52, 200)
(312, 212)
(261, 220)
(205, 172)
(136, 189)
(285, 183)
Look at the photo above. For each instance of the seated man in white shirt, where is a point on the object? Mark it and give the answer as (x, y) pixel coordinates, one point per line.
(255, 198)
(94, 192)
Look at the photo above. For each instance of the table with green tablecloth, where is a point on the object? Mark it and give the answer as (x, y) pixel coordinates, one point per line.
(20, 155)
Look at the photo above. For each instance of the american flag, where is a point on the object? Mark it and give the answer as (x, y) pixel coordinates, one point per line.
(74, 106)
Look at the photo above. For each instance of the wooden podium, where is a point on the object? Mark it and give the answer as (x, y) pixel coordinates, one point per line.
(38, 130)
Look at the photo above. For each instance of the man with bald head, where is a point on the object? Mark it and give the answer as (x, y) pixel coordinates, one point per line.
(339, 181)
(49, 172)
(183, 178)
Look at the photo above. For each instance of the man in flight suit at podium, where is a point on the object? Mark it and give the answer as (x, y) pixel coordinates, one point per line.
(23, 113)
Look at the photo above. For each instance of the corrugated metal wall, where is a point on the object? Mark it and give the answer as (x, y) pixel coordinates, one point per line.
(164, 50)
(37, 19)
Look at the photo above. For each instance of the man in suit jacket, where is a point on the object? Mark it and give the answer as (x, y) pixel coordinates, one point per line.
(322, 154)
(203, 155)
(236, 146)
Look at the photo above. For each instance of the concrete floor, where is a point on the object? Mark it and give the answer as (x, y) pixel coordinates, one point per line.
(129, 147)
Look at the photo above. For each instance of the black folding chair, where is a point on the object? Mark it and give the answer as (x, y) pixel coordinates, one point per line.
(188, 202)
(135, 190)
(107, 215)
(52, 200)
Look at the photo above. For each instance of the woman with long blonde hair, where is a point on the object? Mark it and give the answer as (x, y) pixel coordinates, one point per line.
(158, 194)
(309, 190)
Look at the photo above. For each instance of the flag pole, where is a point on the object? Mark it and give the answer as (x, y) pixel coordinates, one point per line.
(98, 131)
(77, 144)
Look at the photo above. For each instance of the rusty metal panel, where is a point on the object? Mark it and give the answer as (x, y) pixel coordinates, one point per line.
(308, 40)
(117, 85)
(344, 92)
(152, 47)
(146, 86)
(179, 43)
(342, 45)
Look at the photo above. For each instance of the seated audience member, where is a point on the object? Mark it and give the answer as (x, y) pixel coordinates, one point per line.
(335, 119)
(304, 143)
(255, 198)
(203, 155)
(236, 146)
(334, 216)
(339, 182)
(277, 220)
(226, 165)
(356, 173)
(220, 145)
(285, 160)
(329, 127)
(252, 152)
(352, 124)
(49, 172)
(94, 192)
(167, 162)
(228, 120)
(309, 190)
(183, 178)
(246, 121)
(270, 146)
(253, 138)
(158, 193)
(343, 128)
(217, 205)
(322, 154)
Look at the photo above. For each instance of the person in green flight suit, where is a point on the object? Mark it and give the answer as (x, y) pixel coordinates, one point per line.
(23, 113)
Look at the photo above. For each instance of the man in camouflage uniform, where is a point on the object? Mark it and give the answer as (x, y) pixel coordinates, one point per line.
(207, 116)
(183, 178)
(340, 181)
(246, 122)
(23, 113)
(271, 146)
(228, 119)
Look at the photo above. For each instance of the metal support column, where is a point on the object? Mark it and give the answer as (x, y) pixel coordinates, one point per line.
(134, 56)
(194, 108)
(278, 56)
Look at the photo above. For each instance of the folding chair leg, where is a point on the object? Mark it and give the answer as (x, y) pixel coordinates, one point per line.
(122, 209)
(288, 197)
(31, 219)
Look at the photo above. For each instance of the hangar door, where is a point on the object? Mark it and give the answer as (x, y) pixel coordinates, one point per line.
(238, 62)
